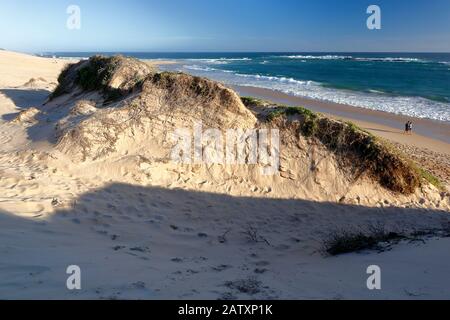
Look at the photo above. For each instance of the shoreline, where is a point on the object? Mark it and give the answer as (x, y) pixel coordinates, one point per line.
(430, 134)
(212, 228)
(381, 123)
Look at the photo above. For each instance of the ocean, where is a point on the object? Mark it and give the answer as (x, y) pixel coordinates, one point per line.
(412, 84)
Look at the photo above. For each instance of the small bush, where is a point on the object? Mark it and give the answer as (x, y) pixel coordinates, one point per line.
(341, 242)
(376, 237)
(96, 75)
(62, 87)
(93, 75)
(427, 176)
(252, 102)
(309, 123)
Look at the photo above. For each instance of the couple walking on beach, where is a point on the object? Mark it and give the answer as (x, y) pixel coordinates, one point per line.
(408, 127)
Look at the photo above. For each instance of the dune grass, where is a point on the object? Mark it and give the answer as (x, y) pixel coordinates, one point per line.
(362, 149)
(341, 242)
(93, 75)
(310, 119)
(429, 177)
(377, 237)
(62, 87)
(252, 101)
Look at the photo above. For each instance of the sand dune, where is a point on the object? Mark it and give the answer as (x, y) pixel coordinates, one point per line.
(157, 243)
(83, 184)
(17, 69)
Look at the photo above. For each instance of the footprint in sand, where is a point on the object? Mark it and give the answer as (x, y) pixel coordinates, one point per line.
(262, 263)
(221, 267)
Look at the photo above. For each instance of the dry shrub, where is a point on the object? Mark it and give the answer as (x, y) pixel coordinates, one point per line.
(355, 148)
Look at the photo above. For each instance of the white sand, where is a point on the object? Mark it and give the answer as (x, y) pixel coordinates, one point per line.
(179, 235)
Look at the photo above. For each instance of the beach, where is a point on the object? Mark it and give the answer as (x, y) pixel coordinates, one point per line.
(141, 227)
(429, 145)
(430, 134)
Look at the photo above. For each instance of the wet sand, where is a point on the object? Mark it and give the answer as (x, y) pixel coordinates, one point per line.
(430, 134)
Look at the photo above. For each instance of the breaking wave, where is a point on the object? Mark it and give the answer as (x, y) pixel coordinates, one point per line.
(372, 99)
(338, 57)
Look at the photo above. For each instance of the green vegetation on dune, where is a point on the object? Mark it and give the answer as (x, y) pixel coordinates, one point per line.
(252, 101)
(96, 75)
(354, 145)
(309, 124)
(355, 128)
(356, 148)
(61, 88)
(427, 176)
(92, 75)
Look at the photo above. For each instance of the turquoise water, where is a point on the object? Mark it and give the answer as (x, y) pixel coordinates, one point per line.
(413, 84)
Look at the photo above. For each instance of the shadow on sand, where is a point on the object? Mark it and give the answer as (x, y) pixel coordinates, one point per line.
(184, 244)
(24, 99)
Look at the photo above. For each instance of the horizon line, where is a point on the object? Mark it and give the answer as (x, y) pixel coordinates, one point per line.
(225, 51)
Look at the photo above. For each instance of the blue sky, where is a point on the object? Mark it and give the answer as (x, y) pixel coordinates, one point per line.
(225, 25)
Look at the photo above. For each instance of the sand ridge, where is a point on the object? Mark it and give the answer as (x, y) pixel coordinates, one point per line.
(140, 226)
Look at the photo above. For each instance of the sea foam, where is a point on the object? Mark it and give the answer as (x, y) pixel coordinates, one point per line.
(374, 99)
(339, 57)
